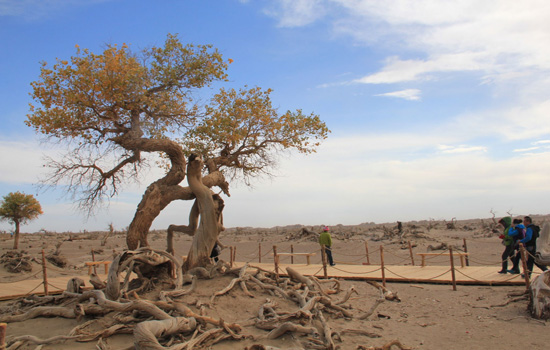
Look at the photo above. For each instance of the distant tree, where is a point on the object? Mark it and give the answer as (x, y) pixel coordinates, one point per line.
(114, 108)
(19, 208)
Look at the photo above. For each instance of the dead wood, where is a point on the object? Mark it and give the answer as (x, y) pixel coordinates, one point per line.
(243, 277)
(42, 311)
(539, 297)
(327, 302)
(291, 327)
(327, 331)
(16, 261)
(75, 285)
(349, 292)
(296, 276)
(178, 293)
(96, 282)
(146, 333)
(388, 294)
(377, 302)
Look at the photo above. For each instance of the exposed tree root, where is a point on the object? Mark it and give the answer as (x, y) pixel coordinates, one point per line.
(164, 322)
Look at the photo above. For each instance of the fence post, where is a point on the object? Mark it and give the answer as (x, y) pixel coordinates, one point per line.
(452, 267)
(382, 265)
(292, 252)
(234, 254)
(524, 264)
(276, 261)
(44, 273)
(411, 253)
(367, 252)
(259, 252)
(466, 251)
(3, 327)
(93, 259)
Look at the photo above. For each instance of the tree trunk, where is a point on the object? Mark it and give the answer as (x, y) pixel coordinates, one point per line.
(16, 235)
(207, 233)
(162, 192)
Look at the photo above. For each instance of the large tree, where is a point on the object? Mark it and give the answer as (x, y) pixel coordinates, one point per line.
(19, 208)
(114, 108)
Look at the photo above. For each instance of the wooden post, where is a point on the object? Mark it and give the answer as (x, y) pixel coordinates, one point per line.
(44, 273)
(452, 267)
(292, 252)
(3, 327)
(411, 253)
(524, 264)
(382, 265)
(466, 251)
(259, 252)
(234, 255)
(367, 252)
(93, 259)
(324, 261)
(276, 261)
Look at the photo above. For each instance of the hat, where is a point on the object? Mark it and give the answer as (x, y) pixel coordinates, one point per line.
(325, 228)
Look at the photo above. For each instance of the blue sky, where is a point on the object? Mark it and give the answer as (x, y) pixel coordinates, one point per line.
(438, 109)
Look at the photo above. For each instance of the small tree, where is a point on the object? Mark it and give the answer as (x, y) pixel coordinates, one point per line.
(19, 208)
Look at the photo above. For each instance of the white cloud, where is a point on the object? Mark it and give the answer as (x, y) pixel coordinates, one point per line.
(407, 94)
(460, 149)
(295, 13)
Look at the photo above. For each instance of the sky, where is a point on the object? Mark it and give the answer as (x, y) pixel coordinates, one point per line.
(437, 109)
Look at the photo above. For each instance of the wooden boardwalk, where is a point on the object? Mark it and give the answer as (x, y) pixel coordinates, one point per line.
(472, 275)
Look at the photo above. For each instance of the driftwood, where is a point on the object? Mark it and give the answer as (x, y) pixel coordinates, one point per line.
(539, 301)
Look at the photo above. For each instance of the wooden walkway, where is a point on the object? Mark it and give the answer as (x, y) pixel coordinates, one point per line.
(472, 275)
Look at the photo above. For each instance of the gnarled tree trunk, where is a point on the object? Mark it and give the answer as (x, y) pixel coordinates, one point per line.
(210, 212)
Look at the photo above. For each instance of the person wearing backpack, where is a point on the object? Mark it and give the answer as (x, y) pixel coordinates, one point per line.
(530, 242)
(507, 242)
(517, 232)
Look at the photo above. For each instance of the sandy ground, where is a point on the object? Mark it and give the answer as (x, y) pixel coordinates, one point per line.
(429, 316)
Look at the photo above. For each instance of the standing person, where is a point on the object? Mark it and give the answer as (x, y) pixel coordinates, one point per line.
(326, 243)
(530, 242)
(216, 250)
(508, 243)
(517, 232)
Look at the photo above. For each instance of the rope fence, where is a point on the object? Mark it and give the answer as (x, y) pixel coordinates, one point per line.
(289, 253)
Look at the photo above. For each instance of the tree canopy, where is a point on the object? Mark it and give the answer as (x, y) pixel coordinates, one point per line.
(114, 108)
(18, 209)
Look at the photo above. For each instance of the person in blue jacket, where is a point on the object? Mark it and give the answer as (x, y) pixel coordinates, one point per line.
(517, 232)
(530, 242)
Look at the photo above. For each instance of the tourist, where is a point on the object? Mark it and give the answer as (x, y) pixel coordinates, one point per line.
(517, 232)
(530, 242)
(326, 243)
(508, 243)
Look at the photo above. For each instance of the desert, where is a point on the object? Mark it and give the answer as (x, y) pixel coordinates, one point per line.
(426, 316)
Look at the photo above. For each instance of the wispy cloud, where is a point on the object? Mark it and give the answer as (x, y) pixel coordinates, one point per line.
(407, 94)
(460, 149)
(296, 13)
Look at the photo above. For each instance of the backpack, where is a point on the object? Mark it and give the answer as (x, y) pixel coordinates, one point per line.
(536, 232)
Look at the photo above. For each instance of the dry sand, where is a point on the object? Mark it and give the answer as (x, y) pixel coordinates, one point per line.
(429, 316)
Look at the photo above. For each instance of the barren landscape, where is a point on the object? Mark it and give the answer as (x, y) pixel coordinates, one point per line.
(426, 316)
